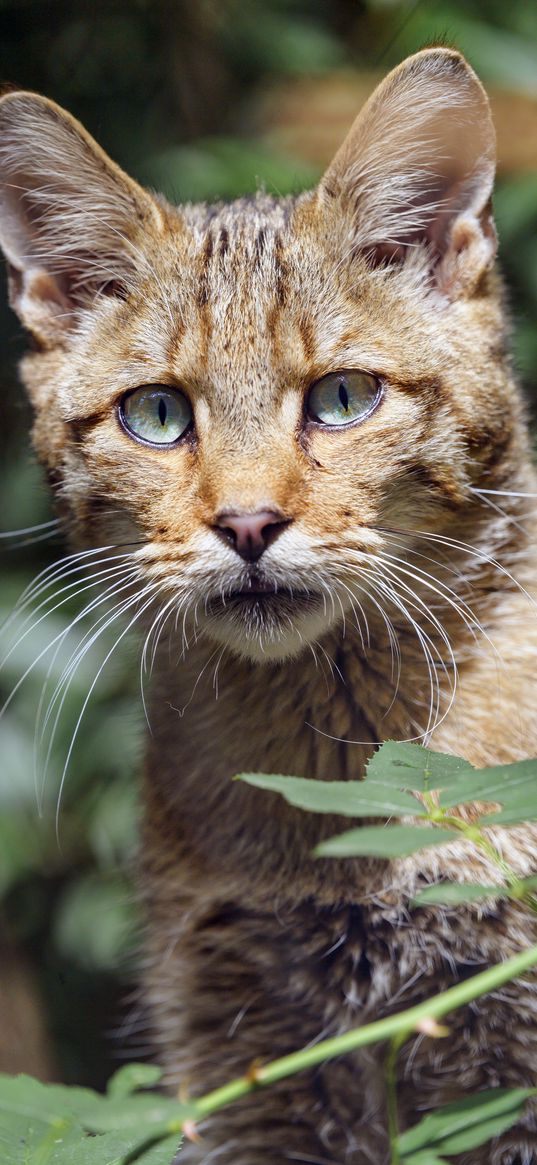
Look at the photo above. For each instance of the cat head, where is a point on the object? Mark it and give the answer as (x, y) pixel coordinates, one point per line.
(250, 397)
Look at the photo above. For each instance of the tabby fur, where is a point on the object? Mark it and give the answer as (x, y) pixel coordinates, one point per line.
(254, 948)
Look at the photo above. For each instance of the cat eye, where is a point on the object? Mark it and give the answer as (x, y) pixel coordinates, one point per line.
(343, 397)
(156, 414)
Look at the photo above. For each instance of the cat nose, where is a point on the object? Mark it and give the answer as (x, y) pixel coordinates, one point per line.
(250, 534)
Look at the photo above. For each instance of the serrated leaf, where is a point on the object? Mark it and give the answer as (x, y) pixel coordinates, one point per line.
(346, 798)
(471, 1116)
(411, 766)
(24, 1097)
(384, 841)
(451, 893)
(106, 1149)
(162, 1153)
(42, 1144)
(118, 1148)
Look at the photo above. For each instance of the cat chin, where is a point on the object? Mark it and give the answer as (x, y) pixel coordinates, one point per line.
(277, 641)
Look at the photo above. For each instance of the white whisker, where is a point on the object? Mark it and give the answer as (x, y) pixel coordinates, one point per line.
(54, 522)
(149, 589)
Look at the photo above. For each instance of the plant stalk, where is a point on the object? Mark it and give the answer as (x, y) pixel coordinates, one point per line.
(395, 1027)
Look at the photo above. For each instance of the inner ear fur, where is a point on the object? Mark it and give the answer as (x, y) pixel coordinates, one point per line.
(417, 169)
(68, 215)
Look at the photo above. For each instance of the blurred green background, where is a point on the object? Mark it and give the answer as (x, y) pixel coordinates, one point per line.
(185, 95)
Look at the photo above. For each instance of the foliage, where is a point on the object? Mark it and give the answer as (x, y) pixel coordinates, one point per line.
(462, 1126)
(437, 789)
(406, 779)
(53, 1125)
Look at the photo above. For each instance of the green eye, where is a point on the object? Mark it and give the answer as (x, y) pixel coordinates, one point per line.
(343, 397)
(156, 414)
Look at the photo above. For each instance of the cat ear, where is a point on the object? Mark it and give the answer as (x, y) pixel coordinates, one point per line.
(418, 168)
(68, 215)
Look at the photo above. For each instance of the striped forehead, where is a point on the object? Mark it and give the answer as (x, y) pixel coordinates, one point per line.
(235, 297)
(239, 255)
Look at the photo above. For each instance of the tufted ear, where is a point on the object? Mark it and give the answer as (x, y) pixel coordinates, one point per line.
(418, 168)
(68, 215)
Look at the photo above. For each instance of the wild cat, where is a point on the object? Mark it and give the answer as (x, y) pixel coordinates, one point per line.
(287, 435)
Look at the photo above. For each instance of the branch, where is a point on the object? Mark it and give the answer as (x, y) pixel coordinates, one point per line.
(402, 1025)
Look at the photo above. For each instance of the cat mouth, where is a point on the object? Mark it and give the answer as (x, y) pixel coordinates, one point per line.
(265, 594)
(265, 619)
(254, 587)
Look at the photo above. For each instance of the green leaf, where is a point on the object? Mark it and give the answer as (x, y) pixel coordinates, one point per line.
(124, 1147)
(29, 1099)
(117, 1149)
(36, 1141)
(480, 1134)
(384, 841)
(424, 1157)
(450, 893)
(511, 815)
(513, 785)
(410, 766)
(131, 1077)
(162, 1153)
(347, 798)
(144, 1114)
(466, 1123)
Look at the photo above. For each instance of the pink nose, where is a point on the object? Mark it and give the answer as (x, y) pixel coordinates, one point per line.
(250, 534)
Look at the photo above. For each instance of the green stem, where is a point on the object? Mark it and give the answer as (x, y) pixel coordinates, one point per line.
(395, 1027)
(474, 833)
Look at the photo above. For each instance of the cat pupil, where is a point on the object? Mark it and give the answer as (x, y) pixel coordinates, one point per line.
(344, 396)
(162, 411)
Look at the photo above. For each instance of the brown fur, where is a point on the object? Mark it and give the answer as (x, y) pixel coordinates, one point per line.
(254, 948)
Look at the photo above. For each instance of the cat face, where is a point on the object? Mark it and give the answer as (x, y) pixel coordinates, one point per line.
(253, 398)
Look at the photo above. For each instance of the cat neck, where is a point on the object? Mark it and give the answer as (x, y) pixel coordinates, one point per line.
(388, 669)
(321, 714)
